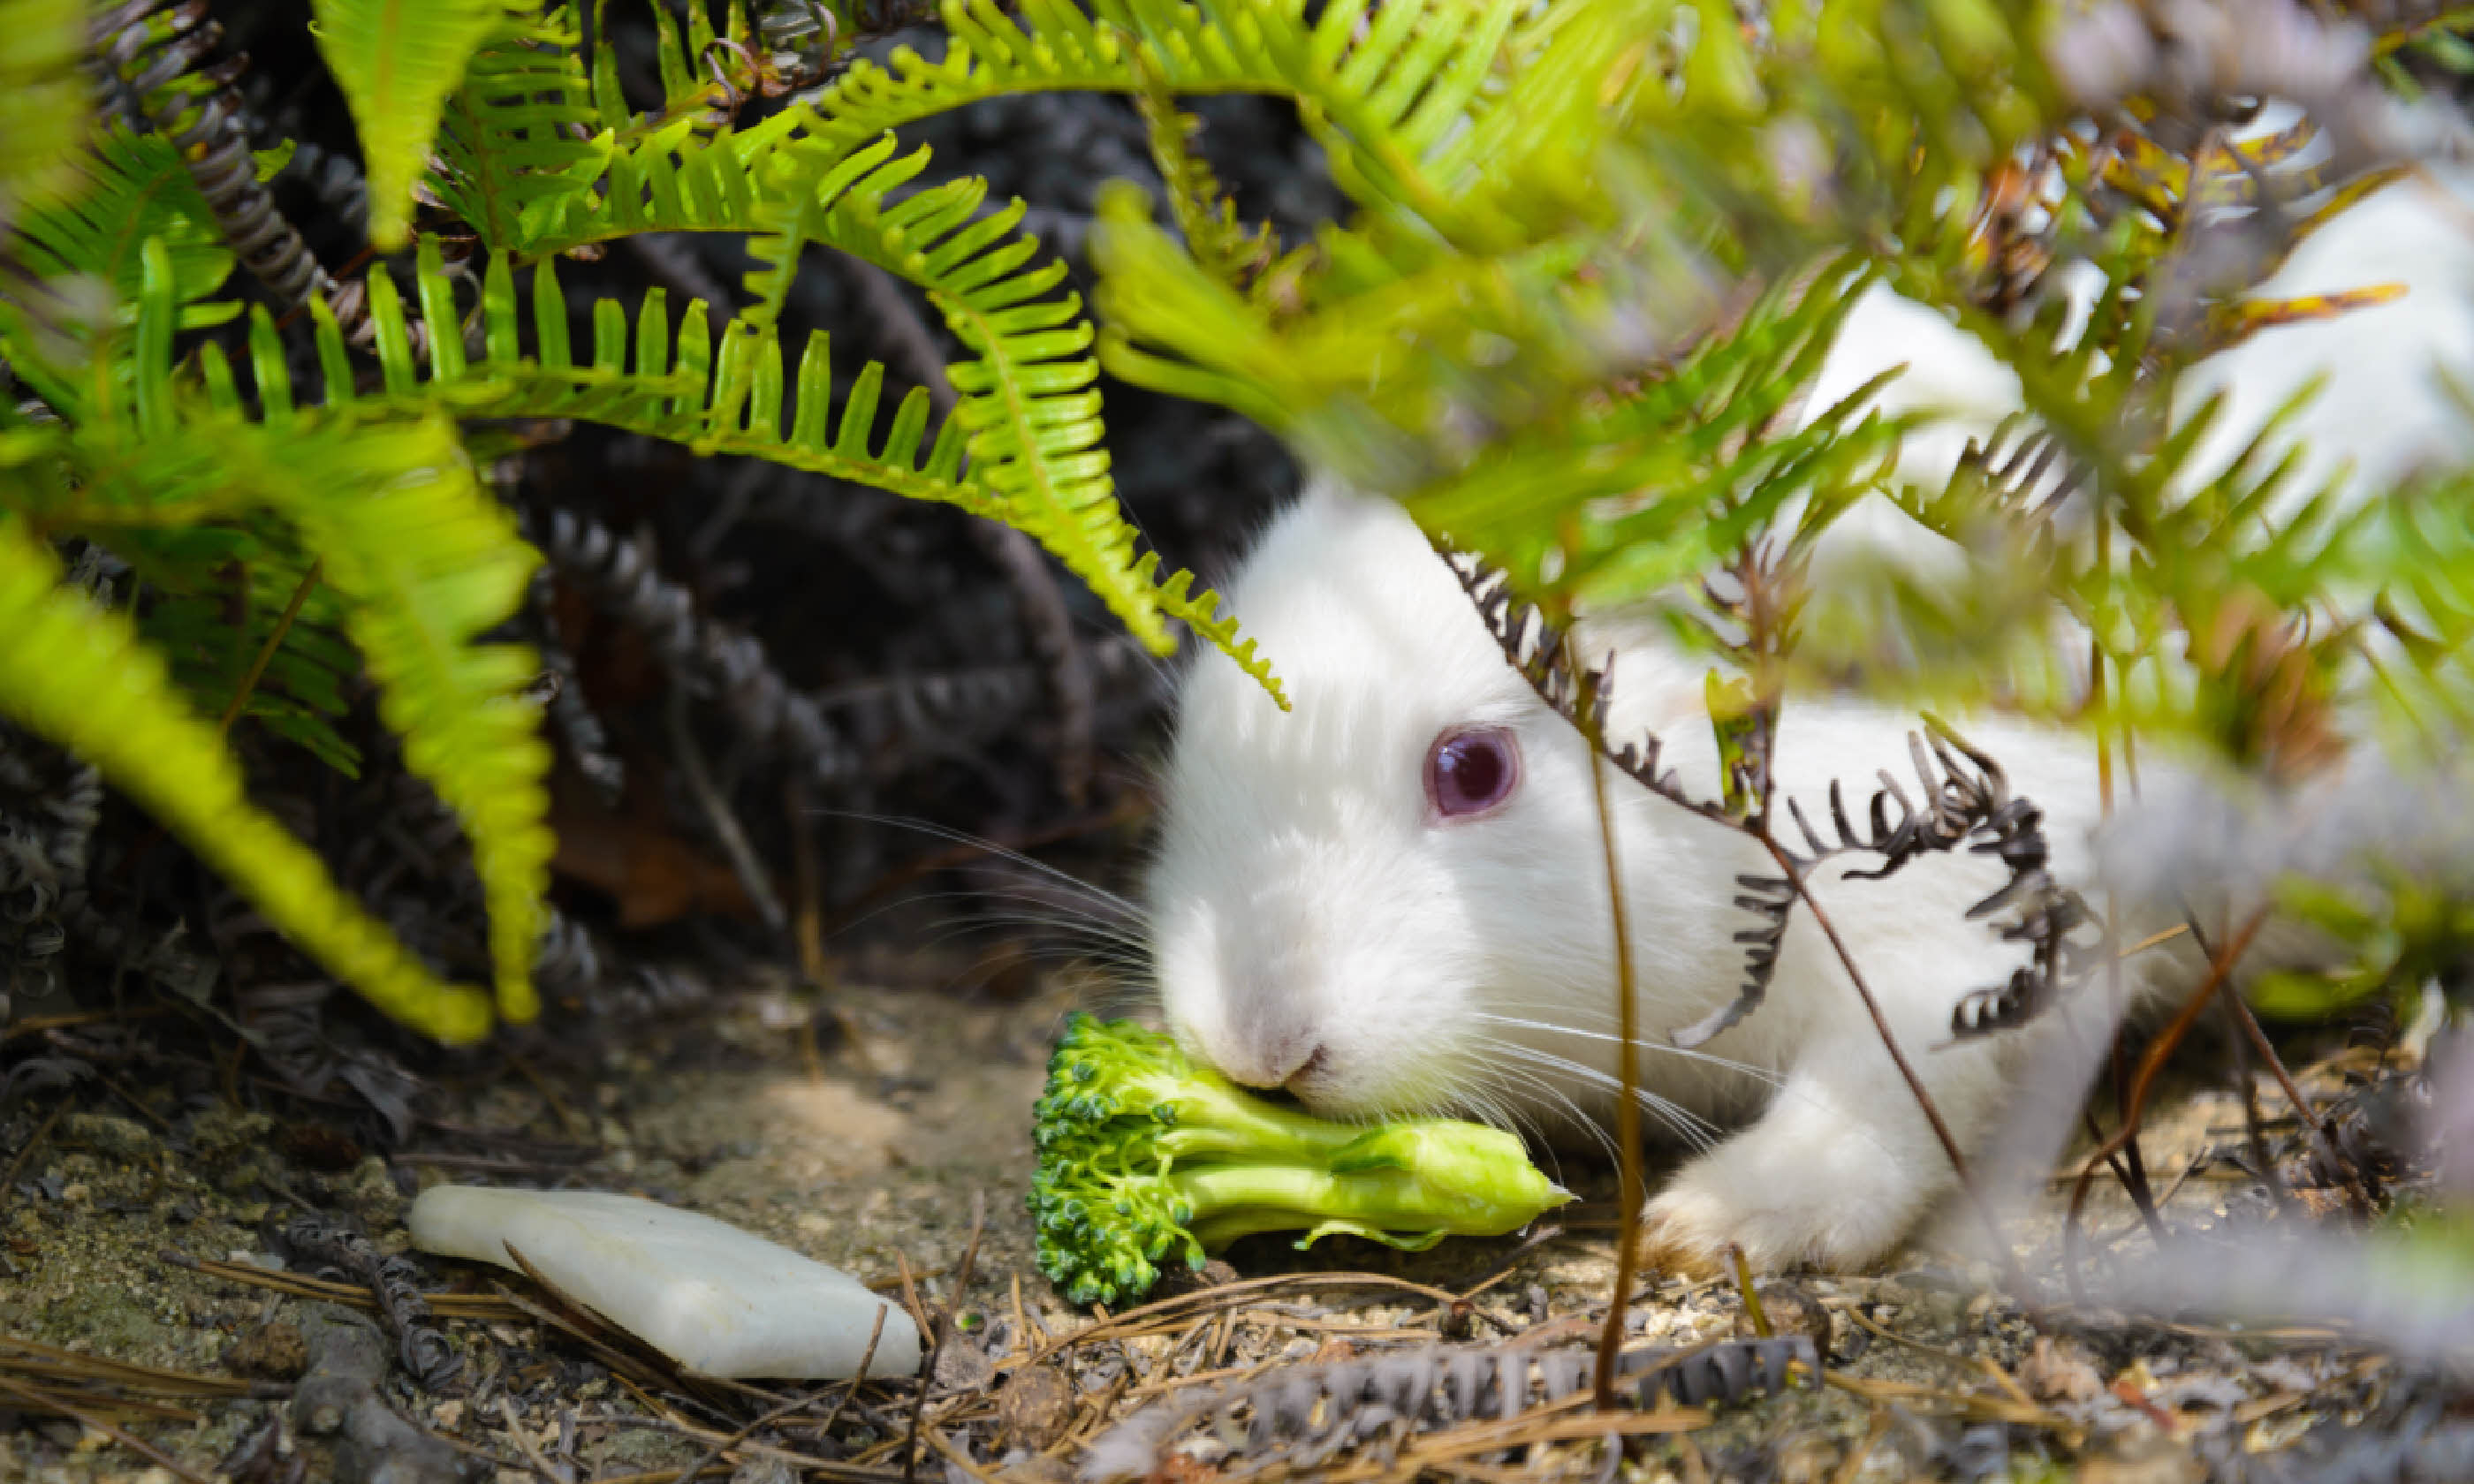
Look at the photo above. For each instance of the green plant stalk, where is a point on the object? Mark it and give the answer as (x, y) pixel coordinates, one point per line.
(1411, 1208)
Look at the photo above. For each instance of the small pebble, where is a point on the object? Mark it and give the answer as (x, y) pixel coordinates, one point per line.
(1791, 1311)
(961, 1365)
(276, 1351)
(2058, 1370)
(1035, 1408)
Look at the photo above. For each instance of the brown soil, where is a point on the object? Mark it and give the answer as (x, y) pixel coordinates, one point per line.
(873, 1154)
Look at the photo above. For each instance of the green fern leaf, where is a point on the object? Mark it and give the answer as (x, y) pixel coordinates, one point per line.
(1027, 398)
(197, 576)
(1227, 250)
(424, 562)
(507, 140)
(674, 178)
(1030, 408)
(674, 382)
(541, 153)
(420, 560)
(987, 54)
(1034, 416)
(666, 378)
(1201, 613)
(396, 61)
(81, 678)
(1386, 92)
(130, 187)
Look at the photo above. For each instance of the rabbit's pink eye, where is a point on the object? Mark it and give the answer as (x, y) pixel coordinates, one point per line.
(1471, 770)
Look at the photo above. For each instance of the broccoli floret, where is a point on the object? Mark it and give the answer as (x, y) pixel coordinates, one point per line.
(1144, 1156)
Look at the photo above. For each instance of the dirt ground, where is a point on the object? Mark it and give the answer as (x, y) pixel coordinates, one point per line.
(158, 1322)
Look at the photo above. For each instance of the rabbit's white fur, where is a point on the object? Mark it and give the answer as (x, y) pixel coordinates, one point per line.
(1318, 925)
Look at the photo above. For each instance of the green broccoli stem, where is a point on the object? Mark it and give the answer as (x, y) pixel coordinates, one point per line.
(1388, 1204)
(1216, 1116)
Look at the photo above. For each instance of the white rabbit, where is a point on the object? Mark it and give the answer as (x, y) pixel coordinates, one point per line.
(1394, 900)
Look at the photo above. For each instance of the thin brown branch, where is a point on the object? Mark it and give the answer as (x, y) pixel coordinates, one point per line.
(2254, 1133)
(521, 1436)
(1745, 1291)
(25, 1152)
(1872, 1006)
(1629, 1183)
(131, 1376)
(2252, 1031)
(266, 650)
(2016, 1276)
(666, 1421)
(866, 1359)
(745, 862)
(46, 1401)
(957, 1458)
(927, 1367)
(35, 1026)
(2132, 1174)
(971, 1247)
(456, 1305)
(808, 916)
(1228, 1296)
(799, 1403)
(58, 1383)
(2219, 968)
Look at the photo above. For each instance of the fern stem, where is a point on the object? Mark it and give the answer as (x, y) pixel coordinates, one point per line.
(266, 650)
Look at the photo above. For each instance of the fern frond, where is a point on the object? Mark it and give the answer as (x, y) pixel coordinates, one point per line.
(130, 187)
(1235, 254)
(656, 375)
(1029, 395)
(1201, 613)
(81, 678)
(508, 142)
(987, 54)
(1029, 407)
(1644, 486)
(423, 563)
(2426, 537)
(217, 594)
(673, 178)
(683, 46)
(421, 558)
(397, 63)
(1378, 378)
(659, 376)
(674, 382)
(1034, 416)
(541, 153)
(427, 563)
(1384, 91)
